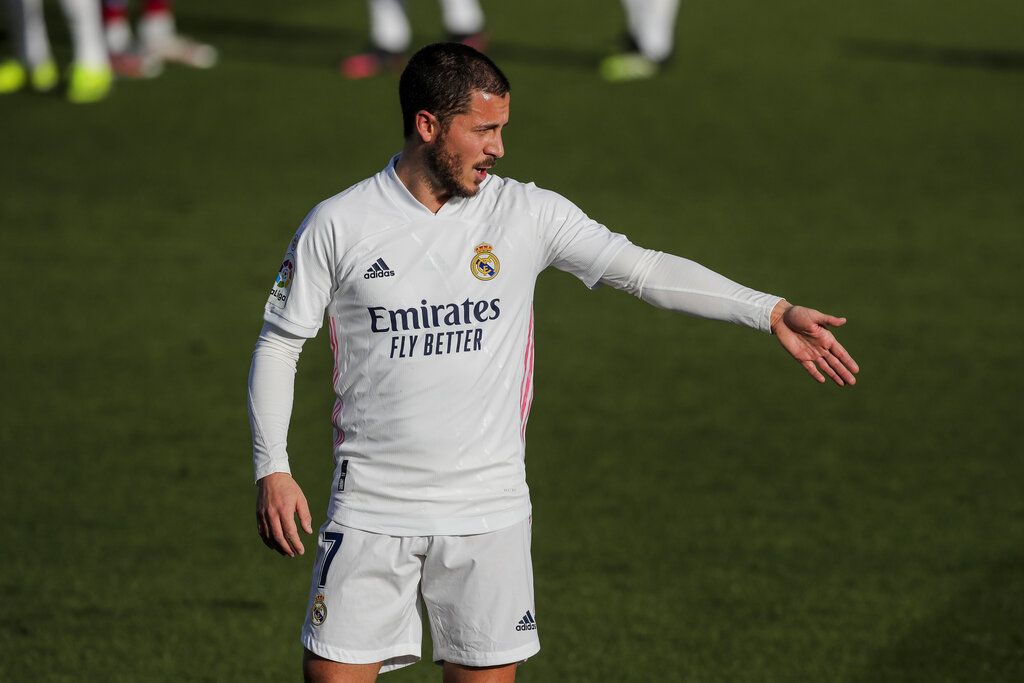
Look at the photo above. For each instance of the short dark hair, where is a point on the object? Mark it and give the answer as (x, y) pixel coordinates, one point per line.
(441, 79)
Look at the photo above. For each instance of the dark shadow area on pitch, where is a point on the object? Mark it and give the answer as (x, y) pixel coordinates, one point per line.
(545, 55)
(206, 27)
(956, 57)
(267, 42)
(978, 636)
(303, 45)
(263, 41)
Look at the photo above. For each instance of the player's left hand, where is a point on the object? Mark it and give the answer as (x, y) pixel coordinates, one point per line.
(803, 333)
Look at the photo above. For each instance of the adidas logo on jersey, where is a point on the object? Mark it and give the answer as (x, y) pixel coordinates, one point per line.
(527, 623)
(378, 269)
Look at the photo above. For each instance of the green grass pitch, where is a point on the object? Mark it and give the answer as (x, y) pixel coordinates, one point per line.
(703, 510)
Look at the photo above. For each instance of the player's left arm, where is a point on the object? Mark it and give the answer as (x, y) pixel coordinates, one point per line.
(681, 285)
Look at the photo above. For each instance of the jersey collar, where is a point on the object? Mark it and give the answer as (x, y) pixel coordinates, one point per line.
(411, 205)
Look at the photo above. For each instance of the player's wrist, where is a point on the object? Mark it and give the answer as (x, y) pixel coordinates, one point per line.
(272, 478)
(777, 314)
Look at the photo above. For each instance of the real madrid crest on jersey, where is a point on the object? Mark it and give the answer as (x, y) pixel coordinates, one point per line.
(484, 265)
(318, 614)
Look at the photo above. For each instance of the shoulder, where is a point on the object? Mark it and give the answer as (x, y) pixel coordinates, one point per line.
(356, 211)
(366, 196)
(507, 193)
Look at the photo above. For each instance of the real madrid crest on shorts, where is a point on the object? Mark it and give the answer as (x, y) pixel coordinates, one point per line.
(318, 614)
(484, 265)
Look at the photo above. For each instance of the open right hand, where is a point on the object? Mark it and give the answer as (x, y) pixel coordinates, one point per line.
(278, 500)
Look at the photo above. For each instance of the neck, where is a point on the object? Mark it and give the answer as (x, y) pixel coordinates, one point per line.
(412, 170)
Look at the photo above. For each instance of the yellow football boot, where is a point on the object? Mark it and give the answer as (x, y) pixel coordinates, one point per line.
(44, 77)
(12, 76)
(627, 66)
(88, 84)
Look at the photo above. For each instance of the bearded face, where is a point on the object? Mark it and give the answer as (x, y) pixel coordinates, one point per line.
(447, 167)
(464, 148)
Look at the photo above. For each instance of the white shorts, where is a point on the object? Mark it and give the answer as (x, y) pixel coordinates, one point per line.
(364, 599)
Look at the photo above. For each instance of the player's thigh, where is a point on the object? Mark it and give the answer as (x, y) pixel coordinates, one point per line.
(363, 599)
(316, 669)
(457, 673)
(478, 591)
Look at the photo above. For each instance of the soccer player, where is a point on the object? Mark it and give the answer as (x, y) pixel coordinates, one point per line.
(426, 272)
(90, 77)
(390, 34)
(158, 40)
(650, 35)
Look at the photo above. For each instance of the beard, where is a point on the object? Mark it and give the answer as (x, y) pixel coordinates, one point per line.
(446, 169)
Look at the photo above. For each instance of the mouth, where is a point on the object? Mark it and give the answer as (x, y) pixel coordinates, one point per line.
(480, 171)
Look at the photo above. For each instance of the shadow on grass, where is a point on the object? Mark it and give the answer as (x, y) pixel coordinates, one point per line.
(280, 44)
(547, 55)
(168, 606)
(251, 38)
(979, 636)
(209, 28)
(893, 51)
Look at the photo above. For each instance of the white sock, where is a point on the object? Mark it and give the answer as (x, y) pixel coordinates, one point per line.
(156, 27)
(653, 25)
(462, 17)
(28, 31)
(86, 28)
(389, 26)
(118, 34)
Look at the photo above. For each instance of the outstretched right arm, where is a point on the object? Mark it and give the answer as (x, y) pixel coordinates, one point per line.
(271, 388)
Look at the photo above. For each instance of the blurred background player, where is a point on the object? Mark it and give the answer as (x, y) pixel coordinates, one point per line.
(89, 77)
(158, 40)
(391, 35)
(650, 35)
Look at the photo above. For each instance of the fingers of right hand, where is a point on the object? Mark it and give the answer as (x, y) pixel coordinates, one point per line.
(276, 511)
(281, 544)
(305, 518)
(263, 528)
(291, 535)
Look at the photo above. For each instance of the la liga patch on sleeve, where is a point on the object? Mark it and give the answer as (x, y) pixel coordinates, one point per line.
(282, 285)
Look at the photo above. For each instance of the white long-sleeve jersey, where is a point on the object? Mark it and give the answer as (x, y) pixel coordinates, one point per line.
(430, 320)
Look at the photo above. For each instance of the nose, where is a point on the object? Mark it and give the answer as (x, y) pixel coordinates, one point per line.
(494, 146)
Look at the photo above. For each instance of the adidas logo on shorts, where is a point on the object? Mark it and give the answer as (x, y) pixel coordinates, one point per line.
(527, 623)
(378, 269)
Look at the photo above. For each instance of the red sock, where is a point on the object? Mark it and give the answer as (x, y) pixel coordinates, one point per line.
(156, 6)
(114, 10)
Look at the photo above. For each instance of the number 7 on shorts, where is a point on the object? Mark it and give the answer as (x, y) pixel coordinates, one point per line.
(333, 538)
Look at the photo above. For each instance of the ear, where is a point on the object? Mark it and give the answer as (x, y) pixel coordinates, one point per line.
(427, 125)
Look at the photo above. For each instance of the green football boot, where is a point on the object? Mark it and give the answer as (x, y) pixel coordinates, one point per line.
(88, 84)
(627, 66)
(44, 77)
(14, 77)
